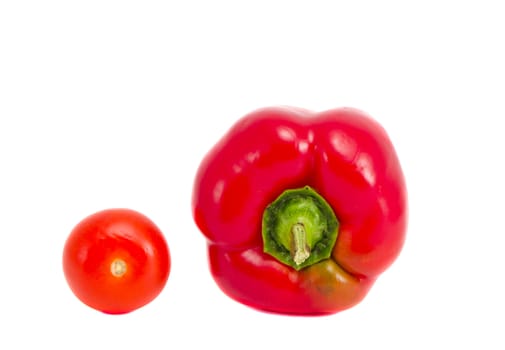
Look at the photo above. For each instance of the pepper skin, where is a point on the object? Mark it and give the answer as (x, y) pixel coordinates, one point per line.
(342, 155)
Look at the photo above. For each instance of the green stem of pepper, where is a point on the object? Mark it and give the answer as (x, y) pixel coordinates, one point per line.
(300, 250)
(299, 228)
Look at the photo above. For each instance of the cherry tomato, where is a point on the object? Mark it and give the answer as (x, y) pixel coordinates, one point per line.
(116, 261)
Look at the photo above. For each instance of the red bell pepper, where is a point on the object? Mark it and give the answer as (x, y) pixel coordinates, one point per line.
(302, 211)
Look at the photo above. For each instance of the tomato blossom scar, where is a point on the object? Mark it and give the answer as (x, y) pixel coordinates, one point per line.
(118, 267)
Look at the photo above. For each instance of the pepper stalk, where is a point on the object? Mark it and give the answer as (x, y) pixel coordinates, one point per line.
(299, 228)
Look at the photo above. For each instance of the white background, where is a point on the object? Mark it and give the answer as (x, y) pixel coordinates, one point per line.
(114, 103)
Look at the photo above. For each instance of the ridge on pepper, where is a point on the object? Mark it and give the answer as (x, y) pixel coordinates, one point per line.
(302, 211)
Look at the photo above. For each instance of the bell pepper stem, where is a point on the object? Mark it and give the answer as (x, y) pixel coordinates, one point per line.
(299, 228)
(300, 250)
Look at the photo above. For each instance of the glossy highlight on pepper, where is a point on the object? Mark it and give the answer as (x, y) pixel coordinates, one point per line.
(302, 211)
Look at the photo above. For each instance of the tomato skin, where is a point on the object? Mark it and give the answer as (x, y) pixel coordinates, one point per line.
(116, 235)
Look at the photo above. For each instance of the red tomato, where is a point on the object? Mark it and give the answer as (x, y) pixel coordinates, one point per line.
(116, 261)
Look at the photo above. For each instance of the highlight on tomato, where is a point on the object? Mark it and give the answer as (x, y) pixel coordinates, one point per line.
(116, 260)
